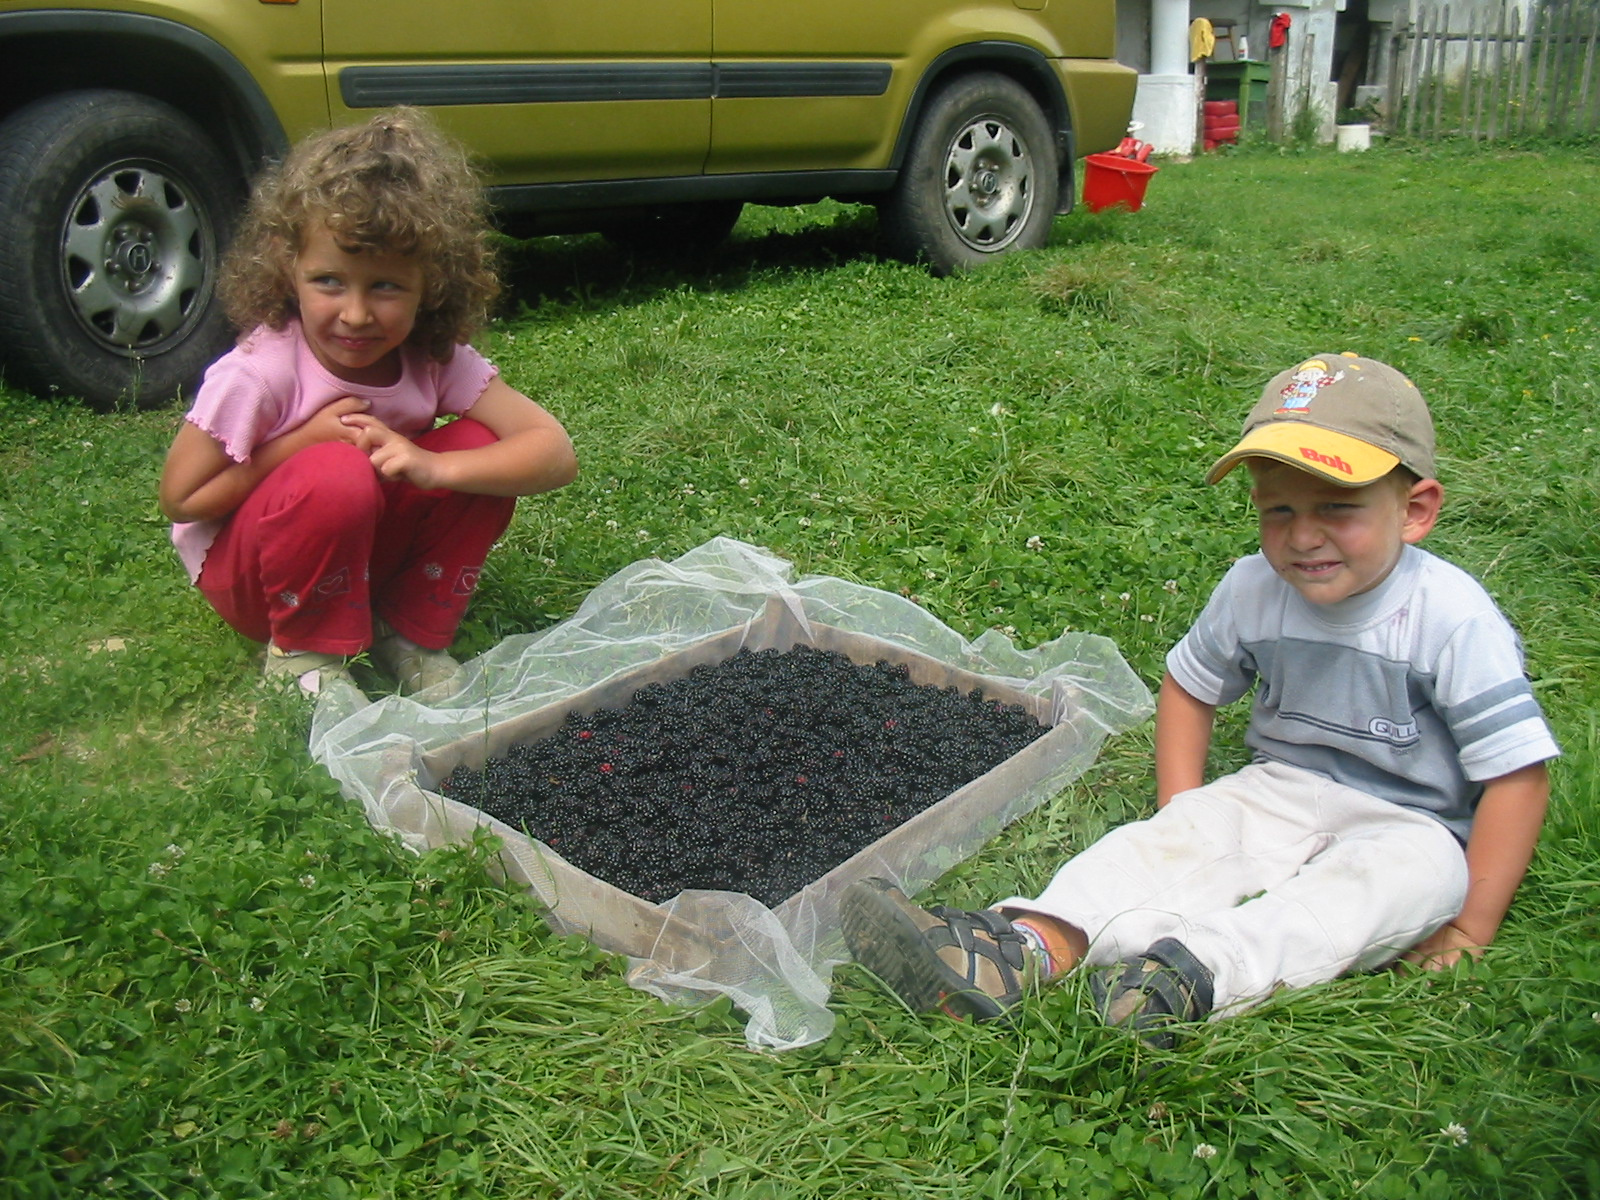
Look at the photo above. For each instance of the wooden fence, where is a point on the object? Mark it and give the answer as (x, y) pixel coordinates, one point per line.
(1508, 74)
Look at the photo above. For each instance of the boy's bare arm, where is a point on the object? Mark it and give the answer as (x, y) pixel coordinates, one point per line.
(1504, 833)
(1183, 739)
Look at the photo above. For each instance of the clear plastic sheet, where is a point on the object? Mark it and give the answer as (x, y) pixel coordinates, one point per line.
(654, 620)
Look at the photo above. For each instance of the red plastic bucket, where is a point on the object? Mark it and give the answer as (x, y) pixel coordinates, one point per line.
(1110, 180)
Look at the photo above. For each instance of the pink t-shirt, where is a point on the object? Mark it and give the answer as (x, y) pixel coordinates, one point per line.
(272, 382)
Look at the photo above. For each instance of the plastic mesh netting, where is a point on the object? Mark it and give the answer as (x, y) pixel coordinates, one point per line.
(656, 620)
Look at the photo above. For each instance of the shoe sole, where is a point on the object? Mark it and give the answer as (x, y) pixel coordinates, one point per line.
(884, 938)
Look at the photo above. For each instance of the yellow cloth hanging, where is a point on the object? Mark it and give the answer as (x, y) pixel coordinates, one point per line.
(1202, 41)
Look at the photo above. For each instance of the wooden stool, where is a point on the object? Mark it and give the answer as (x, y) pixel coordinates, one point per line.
(1223, 32)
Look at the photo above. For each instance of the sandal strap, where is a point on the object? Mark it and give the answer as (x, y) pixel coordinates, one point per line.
(983, 935)
(1164, 984)
(1187, 974)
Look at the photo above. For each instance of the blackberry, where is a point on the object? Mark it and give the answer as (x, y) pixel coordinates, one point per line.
(758, 774)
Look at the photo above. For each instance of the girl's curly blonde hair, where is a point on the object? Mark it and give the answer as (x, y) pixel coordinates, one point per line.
(394, 183)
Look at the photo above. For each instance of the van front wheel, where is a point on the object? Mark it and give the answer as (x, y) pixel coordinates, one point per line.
(980, 179)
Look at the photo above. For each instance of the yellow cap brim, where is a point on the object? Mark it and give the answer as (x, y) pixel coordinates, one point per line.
(1339, 457)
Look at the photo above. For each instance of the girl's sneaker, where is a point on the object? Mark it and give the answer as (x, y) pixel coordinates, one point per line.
(311, 670)
(412, 666)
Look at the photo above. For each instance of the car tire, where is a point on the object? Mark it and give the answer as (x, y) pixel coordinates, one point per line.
(113, 213)
(980, 178)
(676, 232)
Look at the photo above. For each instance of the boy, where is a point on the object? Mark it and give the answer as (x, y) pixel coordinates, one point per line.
(1397, 785)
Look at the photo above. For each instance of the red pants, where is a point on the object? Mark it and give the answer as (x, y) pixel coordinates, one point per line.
(323, 544)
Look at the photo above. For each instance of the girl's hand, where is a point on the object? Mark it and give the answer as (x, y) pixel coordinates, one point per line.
(393, 455)
(327, 423)
(1442, 948)
(201, 483)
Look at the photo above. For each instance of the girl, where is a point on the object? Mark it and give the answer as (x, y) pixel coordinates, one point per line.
(318, 506)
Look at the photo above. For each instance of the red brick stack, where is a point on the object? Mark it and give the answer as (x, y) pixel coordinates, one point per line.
(1221, 122)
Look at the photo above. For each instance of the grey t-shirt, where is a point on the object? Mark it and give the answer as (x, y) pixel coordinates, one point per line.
(1413, 692)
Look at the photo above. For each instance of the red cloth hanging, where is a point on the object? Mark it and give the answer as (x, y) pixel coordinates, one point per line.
(1278, 32)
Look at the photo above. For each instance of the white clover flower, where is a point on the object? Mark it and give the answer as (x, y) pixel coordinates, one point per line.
(930, 573)
(1125, 597)
(182, 1004)
(159, 869)
(688, 489)
(257, 1003)
(611, 524)
(1035, 542)
(1147, 617)
(308, 881)
(816, 495)
(743, 482)
(1171, 586)
(805, 522)
(174, 850)
(1205, 1150)
(1595, 1017)
(1457, 1133)
(999, 410)
(643, 535)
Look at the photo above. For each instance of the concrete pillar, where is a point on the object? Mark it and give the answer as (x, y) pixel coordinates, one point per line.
(1169, 37)
(1165, 102)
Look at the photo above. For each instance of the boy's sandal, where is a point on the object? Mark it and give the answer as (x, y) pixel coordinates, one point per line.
(970, 964)
(1149, 992)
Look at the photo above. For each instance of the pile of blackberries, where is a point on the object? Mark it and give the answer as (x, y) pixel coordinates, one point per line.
(756, 775)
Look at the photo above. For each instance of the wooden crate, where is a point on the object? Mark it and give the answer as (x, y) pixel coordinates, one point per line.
(914, 853)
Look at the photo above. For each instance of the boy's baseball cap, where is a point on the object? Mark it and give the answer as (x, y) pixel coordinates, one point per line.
(1347, 418)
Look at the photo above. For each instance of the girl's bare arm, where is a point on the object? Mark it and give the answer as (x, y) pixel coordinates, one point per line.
(201, 483)
(533, 453)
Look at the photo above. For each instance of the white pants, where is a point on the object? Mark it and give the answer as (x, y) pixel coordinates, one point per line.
(1272, 876)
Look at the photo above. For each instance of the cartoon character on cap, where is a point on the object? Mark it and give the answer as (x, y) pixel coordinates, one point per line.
(1308, 379)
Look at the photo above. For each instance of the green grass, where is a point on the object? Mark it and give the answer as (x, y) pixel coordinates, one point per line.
(215, 980)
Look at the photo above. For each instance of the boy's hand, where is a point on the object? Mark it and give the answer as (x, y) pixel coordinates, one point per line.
(393, 455)
(1440, 949)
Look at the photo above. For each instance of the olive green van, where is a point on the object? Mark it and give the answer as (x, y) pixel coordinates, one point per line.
(129, 131)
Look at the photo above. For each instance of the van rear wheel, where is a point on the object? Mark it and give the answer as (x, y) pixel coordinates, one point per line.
(113, 212)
